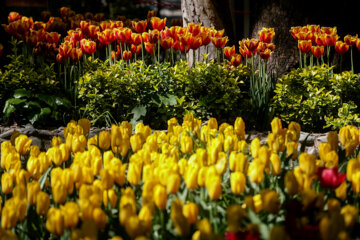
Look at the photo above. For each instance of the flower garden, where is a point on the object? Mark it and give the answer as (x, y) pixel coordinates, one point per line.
(176, 160)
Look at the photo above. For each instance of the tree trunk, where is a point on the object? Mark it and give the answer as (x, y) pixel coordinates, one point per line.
(210, 13)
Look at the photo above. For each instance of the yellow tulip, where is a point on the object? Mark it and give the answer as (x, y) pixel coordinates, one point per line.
(55, 221)
(173, 183)
(271, 201)
(296, 129)
(238, 162)
(33, 188)
(353, 166)
(191, 177)
(42, 203)
(276, 126)
(59, 193)
(55, 141)
(230, 142)
(112, 196)
(255, 147)
(291, 184)
(213, 185)
(202, 157)
(9, 214)
(71, 214)
(239, 127)
(291, 148)
(136, 142)
(160, 196)
(104, 140)
(356, 182)
(191, 212)
(349, 138)
(146, 215)
(333, 205)
(212, 123)
(134, 226)
(6, 183)
(171, 123)
(134, 173)
(107, 179)
(186, 144)
(278, 233)
(256, 171)
(54, 154)
(275, 163)
(22, 144)
(333, 140)
(350, 213)
(179, 220)
(99, 217)
(237, 182)
(307, 164)
(340, 191)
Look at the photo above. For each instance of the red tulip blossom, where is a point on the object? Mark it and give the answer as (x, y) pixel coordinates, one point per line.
(266, 35)
(317, 51)
(157, 23)
(304, 45)
(219, 42)
(127, 55)
(13, 16)
(341, 47)
(330, 177)
(350, 40)
(229, 51)
(236, 59)
(150, 47)
(139, 26)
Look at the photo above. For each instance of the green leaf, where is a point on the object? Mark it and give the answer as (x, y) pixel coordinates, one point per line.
(43, 178)
(15, 101)
(62, 102)
(21, 92)
(32, 104)
(138, 111)
(44, 111)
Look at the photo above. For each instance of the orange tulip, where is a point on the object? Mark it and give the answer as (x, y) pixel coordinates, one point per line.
(215, 33)
(93, 31)
(304, 45)
(123, 35)
(219, 42)
(205, 38)
(145, 37)
(194, 29)
(168, 32)
(266, 35)
(245, 52)
(76, 54)
(341, 47)
(84, 26)
(317, 51)
(166, 43)
(229, 51)
(329, 30)
(65, 49)
(320, 39)
(350, 40)
(157, 23)
(236, 59)
(139, 26)
(127, 55)
(176, 45)
(186, 38)
(88, 46)
(75, 35)
(150, 47)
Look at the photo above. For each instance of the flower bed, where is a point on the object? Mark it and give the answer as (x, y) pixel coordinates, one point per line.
(195, 180)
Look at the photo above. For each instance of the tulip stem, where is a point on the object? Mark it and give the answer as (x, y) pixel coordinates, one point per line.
(328, 55)
(193, 63)
(162, 222)
(172, 56)
(352, 63)
(300, 59)
(311, 60)
(304, 59)
(142, 51)
(159, 50)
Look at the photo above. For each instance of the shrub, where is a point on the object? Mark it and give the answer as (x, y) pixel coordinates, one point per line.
(158, 92)
(314, 96)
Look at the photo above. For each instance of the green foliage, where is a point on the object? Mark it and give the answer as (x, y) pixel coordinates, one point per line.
(27, 106)
(155, 93)
(313, 96)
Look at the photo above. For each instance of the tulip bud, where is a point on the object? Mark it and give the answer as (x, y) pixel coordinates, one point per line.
(146, 215)
(59, 193)
(107, 179)
(112, 197)
(42, 203)
(99, 217)
(134, 174)
(275, 163)
(239, 127)
(104, 140)
(271, 201)
(256, 171)
(160, 196)
(134, 227)
(55, 221)
(237, 182)
(307, 164)
(186, 144)
(136, 142)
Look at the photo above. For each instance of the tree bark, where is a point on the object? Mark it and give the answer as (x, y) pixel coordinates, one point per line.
(210, 13)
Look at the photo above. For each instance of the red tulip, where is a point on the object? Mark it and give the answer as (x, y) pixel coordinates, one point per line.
(106, 37)
(294, 31)
(168, 32)
(123, 34)
(150, 47)
(186, 38)
(88, 46)
(154, 36)
(219, 42)
(145, 37)
(157, 23)
(136, 38)
(330, 177)
(341, 47)
(350, 40)
(1, 49)
(317, 51)
(304, 45)
(331, 39)
(75, 35)
(235, 59)
(194, 29)
(151, 13)
(39, 25)
(244, 51)
(205, 38)
(127, 55)
(135, 49)
(166, 43)
(59, 58)
(76, 54)
(93, 31)
(229, 51)
(195, 43)
(251, 44)
(217, 34)
(358, 44)
(320, 39)
(13, 16)
(65, 49)
(329, 30)
(265, 54)
(176, 45)
(184, 48)
(139, 26)
(99, 17)
(266, 35)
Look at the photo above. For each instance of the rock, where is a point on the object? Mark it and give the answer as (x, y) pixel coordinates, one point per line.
(36, 141)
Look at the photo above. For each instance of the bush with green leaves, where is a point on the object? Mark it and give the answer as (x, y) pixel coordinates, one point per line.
(157, 92)
(37, 79)
(316, 97)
